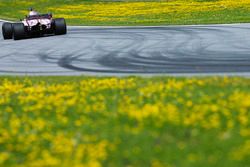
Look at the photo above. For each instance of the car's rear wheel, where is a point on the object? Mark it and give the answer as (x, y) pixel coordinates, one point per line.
(19, 31)
(7, 30)
(60, 26)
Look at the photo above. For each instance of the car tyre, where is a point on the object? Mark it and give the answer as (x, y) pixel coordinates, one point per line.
(60, 26)
(7, 30)
(19, 31)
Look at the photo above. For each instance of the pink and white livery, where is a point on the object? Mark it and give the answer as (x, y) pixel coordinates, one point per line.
(34, 24)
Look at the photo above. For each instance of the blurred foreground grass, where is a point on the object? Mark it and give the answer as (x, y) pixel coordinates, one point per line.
(160, 121)
(79, 12)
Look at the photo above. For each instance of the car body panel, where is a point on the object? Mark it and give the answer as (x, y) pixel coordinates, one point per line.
(35, 22)
(38, 23)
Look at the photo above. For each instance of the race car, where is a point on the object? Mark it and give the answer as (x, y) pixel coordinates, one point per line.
(34, 24)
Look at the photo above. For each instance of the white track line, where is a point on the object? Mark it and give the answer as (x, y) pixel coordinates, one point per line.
(1, 20)
(198, 25)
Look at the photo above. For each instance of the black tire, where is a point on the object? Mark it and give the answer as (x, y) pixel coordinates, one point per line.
(60, 26)
(7, 30)
(19, 31)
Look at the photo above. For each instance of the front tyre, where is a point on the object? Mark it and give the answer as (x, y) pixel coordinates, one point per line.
(19, 31)
(7, 30)
(60, 26)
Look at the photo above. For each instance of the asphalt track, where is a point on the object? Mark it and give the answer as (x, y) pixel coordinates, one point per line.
(170, 50)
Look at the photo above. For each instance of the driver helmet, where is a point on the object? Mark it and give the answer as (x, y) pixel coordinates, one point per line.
(32, 12)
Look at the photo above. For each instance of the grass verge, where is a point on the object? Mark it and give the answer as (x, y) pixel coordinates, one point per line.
(85, 121)
(78, 12)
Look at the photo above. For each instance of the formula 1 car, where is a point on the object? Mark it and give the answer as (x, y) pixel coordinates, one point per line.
(34, 25)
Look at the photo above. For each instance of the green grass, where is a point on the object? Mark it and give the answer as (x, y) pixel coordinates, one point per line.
(10, 9)
(143, 121)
